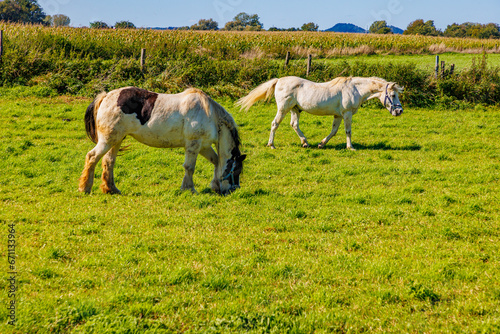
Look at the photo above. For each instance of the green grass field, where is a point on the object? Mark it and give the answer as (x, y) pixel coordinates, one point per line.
(401, 235)
(424, 62)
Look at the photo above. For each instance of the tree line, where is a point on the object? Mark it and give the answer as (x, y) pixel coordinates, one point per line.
(29, 11)
(427, 28)
(247, 22)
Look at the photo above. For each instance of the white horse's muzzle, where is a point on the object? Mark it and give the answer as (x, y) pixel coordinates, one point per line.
(396, 111)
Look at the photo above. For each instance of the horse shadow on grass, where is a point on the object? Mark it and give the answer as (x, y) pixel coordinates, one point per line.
(380, 146)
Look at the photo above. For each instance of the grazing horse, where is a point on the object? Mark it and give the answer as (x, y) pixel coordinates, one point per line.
(340, 97)
(190, 119)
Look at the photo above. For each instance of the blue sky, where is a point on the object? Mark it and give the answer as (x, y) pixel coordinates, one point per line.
(281, 13)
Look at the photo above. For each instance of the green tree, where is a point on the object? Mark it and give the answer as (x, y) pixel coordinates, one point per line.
(99, 25)
(474, 30)
(380, 27)
(283, 29)
(60, 20)
(311, 26)
(124, 25)
(456, 30)
(22, 11)
(490, 30)
(244, 21)
(202, 24)
(419, 27)
(48, 20)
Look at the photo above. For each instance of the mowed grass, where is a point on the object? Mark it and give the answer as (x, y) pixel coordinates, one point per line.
(426, 62)
(401, 235)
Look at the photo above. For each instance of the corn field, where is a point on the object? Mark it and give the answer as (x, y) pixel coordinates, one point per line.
(175, 44)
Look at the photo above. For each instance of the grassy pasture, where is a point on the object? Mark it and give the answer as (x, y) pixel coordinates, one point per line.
(423, 62)
(399, 236)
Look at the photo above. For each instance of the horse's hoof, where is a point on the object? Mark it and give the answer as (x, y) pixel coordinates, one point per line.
(321, 146)
(84, 190)
(110, 190)
(351, 148)
(271, 146)
(191, 189)
(305, 145)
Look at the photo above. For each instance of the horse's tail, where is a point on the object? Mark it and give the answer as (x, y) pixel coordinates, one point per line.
(90, 114)
(262, 92)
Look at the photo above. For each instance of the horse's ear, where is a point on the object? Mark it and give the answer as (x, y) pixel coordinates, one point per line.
(241, 158)
(395, 86)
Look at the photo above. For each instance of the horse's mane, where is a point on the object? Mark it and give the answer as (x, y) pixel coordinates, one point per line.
(339, 81)
(346, 80)
(378, 79)
(223, 117)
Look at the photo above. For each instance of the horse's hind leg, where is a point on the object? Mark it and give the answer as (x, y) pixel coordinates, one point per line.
(284, 104)
(87, 178)
(275, 124)
(294, 123)
(335, 127)
(108, 179)
(347, 125)
(193, 147)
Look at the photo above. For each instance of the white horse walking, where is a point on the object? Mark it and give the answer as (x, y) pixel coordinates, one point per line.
(190, 119)
(340, 97)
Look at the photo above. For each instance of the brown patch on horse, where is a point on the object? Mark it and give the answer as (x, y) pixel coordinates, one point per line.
(137, 101)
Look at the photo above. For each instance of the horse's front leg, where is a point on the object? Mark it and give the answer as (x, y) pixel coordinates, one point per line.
(335, 127)
(192, 149)
(347, 125)
(294, 123)
(211, 156)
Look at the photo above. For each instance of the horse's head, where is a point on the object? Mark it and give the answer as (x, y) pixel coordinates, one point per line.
(230, 179)
(390, 98)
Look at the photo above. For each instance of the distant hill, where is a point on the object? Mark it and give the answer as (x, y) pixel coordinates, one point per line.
(163, 28)
(396, 30)
(346, 27)
(349, 27)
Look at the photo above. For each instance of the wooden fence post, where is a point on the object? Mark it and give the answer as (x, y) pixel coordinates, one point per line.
(143, 59)
(287, 58)
(442, 69)
(309, 61)
(452, 69)
(436, 69)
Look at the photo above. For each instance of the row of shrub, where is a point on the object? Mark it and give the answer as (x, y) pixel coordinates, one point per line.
(233, 78)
